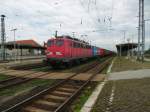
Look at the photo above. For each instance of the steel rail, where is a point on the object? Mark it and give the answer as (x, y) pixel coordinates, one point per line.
(62, 107)
(10, 78)
(28, 67)
(22, 80)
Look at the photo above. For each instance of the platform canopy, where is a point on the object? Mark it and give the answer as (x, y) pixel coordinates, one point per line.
(24, 44)
(124, 48)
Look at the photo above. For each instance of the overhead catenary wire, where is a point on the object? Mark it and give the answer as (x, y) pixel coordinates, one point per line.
(105, 19)
(101, 21)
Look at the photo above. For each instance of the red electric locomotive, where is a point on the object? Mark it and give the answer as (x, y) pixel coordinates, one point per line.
(66, 50)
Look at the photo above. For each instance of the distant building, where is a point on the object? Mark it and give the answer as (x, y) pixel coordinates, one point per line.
(23, 48)
(126, 49)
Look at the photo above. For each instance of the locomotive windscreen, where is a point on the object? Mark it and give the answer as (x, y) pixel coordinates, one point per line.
(59, 42)
(50, 43)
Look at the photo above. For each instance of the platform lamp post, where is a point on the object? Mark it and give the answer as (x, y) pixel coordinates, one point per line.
(14, 30)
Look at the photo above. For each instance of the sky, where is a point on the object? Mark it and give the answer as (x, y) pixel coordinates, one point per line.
(100, 22)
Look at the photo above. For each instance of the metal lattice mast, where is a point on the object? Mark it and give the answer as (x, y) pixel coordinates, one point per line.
(143, 31)
(139, 31)
(3, 39)
(141, 34)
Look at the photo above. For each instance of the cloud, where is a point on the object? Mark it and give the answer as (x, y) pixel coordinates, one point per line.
(39, 19)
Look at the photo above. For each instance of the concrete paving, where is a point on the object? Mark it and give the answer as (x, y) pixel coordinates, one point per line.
(25, 60)
(146, 59)
(133, 74)
(88, 106)
(92, 99)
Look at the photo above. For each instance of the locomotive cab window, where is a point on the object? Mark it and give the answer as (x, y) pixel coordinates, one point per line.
(59, 42)
(50, 43)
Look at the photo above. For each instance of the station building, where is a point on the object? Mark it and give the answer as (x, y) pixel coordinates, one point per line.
(22, 48)
(127, 49)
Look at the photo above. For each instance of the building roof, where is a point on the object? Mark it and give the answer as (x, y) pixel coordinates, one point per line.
(26, 42)
(124, 48)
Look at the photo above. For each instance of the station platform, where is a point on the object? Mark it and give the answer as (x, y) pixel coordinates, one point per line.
(23, 60)
(147, 59)
(132, 74)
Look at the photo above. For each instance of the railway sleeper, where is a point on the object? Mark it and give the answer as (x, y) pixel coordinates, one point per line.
(49, 103)
(54, 98)
(71, 86)
(34, 109)
(68, 90)
(61, 93)
(45, 105)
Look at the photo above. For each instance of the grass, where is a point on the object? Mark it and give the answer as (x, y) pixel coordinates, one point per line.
(3, 77)
(78, 104)
(42, 69)
(26, 86)
(123, 64)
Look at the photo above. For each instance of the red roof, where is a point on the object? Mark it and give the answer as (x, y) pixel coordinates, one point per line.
(28, 42)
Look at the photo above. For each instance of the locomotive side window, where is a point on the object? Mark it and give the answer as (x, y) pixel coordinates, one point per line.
(50, 43)
(71, 44)
(59, 42)
(75, 45)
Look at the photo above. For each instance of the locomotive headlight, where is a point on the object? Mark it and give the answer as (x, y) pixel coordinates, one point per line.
(49, 53)
(58, 53)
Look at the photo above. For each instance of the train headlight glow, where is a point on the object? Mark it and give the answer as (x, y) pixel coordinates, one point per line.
(58, 53)
(49, 53)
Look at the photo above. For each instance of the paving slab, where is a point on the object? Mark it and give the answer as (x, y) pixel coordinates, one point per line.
(92, 99)
(132, 74)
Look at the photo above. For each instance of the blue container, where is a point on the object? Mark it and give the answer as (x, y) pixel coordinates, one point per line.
(94, 51)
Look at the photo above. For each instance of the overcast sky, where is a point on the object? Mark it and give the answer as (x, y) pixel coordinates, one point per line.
(103, 21)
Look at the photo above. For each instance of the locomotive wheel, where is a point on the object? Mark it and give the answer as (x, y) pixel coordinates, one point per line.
(77, 62)
(68, 64)
(55, 66)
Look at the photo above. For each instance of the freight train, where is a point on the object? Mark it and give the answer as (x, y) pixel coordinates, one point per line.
(67, 50)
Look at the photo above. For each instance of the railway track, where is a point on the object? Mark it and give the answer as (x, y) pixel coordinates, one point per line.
(6, 71)
(17, 80)
(28, 67)
(59, 96)
(13, 81)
